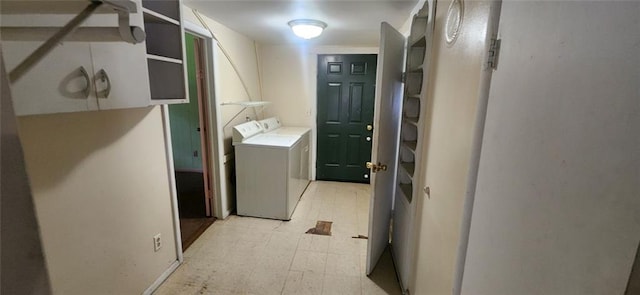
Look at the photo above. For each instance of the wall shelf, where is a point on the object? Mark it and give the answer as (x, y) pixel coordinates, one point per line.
(246, 104)
(413, 106)
(166, 56)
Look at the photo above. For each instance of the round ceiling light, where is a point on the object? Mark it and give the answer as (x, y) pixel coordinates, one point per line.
(307, 28)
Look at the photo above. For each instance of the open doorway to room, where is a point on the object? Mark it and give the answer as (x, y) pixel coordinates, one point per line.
(190, 142)
(345, 107)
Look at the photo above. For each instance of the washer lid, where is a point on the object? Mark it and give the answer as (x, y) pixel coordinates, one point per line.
(246, 130)
(272, 140)
(296, 131)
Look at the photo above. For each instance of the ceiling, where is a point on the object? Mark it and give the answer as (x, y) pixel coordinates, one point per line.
(350, 22)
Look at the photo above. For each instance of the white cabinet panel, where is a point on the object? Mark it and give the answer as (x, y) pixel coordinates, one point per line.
(120, 67)
(126, 68)
(56, 84)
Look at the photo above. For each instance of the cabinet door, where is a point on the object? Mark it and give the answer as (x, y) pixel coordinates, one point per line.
(120, 73)
(60, 82)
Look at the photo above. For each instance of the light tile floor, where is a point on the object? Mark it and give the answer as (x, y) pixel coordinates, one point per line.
(243, 255)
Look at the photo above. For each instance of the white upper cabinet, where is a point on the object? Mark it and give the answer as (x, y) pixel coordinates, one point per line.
(59, 83)
(87, 71)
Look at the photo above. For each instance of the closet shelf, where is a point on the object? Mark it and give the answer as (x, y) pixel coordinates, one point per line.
(411, 145)
(417, 68)
(414, 95)
(151, 16)
(407, 190)
(420, 42)
(165, 59)
(409, 168)
(411, 120)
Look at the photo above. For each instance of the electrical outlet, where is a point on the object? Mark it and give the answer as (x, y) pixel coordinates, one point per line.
(157, 243)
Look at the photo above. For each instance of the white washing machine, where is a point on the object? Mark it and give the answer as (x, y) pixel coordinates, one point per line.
(268, 171)
(273, 126)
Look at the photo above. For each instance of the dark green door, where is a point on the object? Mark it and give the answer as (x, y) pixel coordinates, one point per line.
(185, 120)
(346, 90)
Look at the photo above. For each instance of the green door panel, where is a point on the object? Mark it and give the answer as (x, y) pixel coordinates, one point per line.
(346, 91)
(184, 118)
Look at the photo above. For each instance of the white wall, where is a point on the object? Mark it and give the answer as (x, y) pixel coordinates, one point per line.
(23, 267)
(101, 190)
(289, 82)
(242, 51)
(557, 204)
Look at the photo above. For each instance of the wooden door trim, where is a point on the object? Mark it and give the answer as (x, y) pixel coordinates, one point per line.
(203, 110)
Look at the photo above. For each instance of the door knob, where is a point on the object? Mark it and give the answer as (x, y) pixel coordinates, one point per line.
(368, 138)
(376, 167)
(369, 127)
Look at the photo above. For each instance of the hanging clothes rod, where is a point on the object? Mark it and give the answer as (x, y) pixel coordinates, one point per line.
(22, 7)
(82, 34)
(127, 33)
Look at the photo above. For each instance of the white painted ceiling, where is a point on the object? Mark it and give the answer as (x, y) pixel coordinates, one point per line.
(350, 22)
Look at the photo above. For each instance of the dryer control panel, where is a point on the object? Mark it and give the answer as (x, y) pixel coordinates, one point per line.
(245, 131)
(270, 124)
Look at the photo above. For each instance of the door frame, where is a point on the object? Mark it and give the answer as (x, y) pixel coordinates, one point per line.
(213, 117)
(212, 112)
(476, 148)
(204, 122)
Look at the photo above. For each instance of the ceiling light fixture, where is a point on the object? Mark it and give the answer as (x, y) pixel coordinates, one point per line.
(307, 28)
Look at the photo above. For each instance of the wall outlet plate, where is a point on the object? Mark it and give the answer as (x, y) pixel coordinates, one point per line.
(157, 243)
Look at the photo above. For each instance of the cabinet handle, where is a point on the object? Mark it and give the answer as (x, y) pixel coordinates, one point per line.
(87, 90)
(102, 75)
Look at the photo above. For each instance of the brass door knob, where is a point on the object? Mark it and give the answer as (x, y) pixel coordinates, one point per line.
(369, 127)
(376, 167)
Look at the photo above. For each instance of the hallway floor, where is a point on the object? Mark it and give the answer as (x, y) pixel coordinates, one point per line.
(244, 255)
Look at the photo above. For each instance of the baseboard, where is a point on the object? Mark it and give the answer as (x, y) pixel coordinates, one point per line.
(162, 278)
(226, 213)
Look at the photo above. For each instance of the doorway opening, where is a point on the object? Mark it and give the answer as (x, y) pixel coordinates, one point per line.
(190, 141)
(345, 106)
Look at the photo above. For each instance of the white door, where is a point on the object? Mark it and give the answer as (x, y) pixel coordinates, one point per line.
(388, 102)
